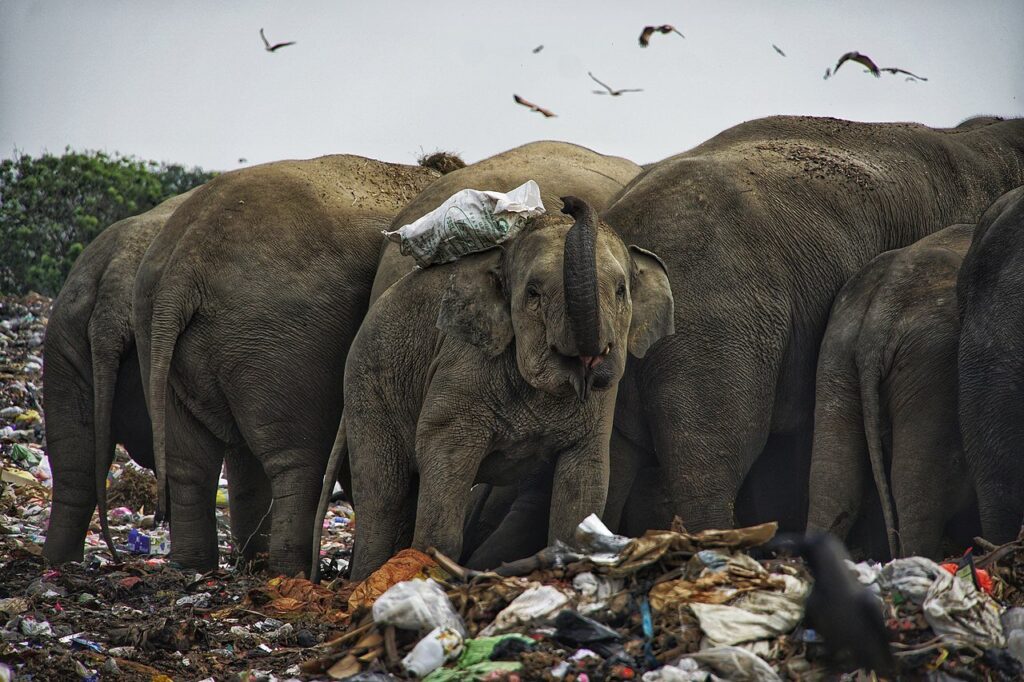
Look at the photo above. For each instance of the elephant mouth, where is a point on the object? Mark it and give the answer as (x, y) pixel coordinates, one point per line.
(591, 373)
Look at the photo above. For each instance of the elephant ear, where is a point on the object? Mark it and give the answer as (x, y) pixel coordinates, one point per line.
(653, 306)
(473, 307)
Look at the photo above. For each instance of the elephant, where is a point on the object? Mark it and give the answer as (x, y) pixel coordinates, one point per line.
(481, 369)
(991, 365)
(93, 394)
(559, 168)
(245, 306)
(886, 398)
(760, 227)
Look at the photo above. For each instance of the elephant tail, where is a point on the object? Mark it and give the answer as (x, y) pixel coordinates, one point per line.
(105, 361)
(338, 458)
(870, 387)
(170, 317)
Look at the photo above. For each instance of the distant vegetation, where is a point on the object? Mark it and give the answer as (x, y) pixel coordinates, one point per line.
(51, 207)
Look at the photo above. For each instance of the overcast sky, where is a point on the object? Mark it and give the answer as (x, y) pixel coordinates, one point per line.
(189, 81)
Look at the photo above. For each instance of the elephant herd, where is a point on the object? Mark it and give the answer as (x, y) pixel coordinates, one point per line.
(803, 319)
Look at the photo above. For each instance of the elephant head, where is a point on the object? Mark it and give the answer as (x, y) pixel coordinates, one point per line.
(572, 296)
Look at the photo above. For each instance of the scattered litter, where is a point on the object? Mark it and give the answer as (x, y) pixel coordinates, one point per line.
(667, 606)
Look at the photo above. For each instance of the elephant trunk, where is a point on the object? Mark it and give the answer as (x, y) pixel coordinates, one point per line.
(580, 279)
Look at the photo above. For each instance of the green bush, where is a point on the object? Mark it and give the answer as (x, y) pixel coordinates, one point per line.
(51, 207)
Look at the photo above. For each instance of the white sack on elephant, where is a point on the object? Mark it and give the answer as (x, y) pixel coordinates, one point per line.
(469, 221)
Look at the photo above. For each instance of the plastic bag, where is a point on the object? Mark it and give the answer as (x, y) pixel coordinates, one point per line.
(417, 605)
(430, 653)
(534, 603)
(593, 537)
(469, 221)
(736, 664)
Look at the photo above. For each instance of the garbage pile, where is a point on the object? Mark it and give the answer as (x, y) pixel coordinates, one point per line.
(668, 606)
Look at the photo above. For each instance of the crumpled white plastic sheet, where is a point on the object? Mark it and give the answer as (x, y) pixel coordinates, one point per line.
(753, 616)
(734, 664)
(417, 605)
(469, 221)
(533, 604)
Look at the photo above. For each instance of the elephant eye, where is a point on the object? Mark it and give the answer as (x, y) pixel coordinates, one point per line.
(620, 293)
(533, 294)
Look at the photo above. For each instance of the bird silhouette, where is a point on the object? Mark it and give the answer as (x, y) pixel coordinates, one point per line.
(533, 107)
(277, 46)
(645, 35)
(538, 49)
(862, 59)
(846, 614)
(778, 49)
(871, 67)
(613, 93)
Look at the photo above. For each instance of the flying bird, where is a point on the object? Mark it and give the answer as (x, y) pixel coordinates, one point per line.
(645, 35)
(862, 59)
(911, 76)
(778, 49)
(871, 67)
(271, 48)
(538, 49)
(533, 107)
(613, 93)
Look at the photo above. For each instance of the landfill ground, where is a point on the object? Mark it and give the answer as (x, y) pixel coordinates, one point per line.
(668, 606)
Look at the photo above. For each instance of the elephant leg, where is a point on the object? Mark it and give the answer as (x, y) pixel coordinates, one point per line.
(926, 477)
(992, 421)
(649, 506)
(580, 486)
(383, 496)
(249, 500)
(194, 459)
(489, 505)
(523, 530)
(447, 472)
(840, 469)
(624, 459)
(708, 400)
(70, 447)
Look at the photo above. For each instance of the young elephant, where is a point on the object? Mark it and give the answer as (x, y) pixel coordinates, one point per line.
(94, 397)
(887, 394)
(991, 357)
(475, 370)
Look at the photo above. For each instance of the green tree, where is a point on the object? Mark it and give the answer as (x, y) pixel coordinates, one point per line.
(51, 207)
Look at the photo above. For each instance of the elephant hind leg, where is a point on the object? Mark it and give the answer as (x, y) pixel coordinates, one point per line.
(249, 498)
(384, 497)
(194, 459)
(839, 470)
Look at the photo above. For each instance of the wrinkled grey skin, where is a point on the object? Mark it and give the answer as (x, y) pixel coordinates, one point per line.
(94, 398)
(479, 369)
(245, 307)
(559, 168)
(991, 357)
(760, 227)
(886, 398)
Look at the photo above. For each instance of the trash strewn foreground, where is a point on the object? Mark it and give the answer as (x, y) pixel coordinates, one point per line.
(668, 606)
